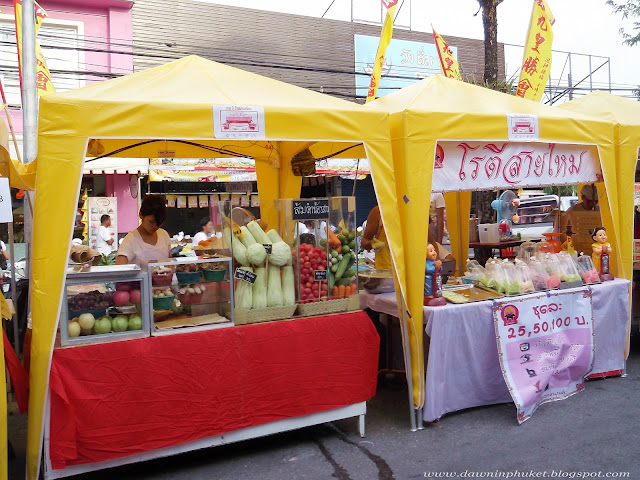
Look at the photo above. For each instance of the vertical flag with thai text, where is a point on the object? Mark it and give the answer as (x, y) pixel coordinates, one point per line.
(44, 85)
(449, 64)
(385, 39)
(536, 65)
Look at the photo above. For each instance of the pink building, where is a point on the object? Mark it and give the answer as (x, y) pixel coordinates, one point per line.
(84, 41)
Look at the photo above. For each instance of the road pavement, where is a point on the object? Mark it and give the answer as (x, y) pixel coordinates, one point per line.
(590, 435)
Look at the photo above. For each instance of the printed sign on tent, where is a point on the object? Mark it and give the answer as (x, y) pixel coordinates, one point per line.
(505, 165)
(239, 122)
(546, 346)
(6, 212)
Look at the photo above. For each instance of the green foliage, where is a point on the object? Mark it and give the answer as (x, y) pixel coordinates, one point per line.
(108, 259)
(628, 9)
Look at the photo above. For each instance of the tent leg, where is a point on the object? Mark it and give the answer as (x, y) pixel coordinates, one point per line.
(419, 414)
(14, 296)
(407, 365)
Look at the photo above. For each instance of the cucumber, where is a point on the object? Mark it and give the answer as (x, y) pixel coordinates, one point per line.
(349, 273)
(331, 281)
(342, 266)
(344, 281)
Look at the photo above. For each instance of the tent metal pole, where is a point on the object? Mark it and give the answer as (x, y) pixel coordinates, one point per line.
(463, 260)
(407, 364)
(14, 295)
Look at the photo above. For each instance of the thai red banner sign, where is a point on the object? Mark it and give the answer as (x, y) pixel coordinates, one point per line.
(450, 66)
(536, 65)
(463, 166)
(546, 346)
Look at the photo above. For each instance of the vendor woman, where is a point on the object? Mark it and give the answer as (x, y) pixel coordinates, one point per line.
(148, 241)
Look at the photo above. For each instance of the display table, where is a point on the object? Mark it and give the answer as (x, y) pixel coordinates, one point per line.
(486, 249)
(463, 370)
(128, 401)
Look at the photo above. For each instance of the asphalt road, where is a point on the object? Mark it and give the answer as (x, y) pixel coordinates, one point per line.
(594, 431)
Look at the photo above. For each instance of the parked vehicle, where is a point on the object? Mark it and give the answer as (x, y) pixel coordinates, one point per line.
(538, 214)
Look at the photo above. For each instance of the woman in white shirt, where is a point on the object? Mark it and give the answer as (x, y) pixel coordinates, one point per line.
(148, 241)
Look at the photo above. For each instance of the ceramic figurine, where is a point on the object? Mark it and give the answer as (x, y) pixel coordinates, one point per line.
(432, 279)
(601, 251)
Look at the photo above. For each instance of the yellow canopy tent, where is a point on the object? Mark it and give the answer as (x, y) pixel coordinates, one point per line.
(169, 111)
(20, 176)
(625, 115)
(441, 109)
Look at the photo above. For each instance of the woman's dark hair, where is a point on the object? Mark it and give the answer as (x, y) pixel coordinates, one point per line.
(154, 205)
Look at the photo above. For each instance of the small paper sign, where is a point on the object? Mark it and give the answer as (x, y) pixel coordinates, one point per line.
(245, 275)
(320, 275)
(267, 247)
(310, 209)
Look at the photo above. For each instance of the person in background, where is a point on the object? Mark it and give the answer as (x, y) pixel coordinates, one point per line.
(443, 253)
(436, 216)
(148, 241)
(206, 233)
(374, 238)
(589, 195)
(104, 242)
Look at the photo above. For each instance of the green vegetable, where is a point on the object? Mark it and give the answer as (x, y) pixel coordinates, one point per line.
(349, 273)
(280, 254)
(331, 281)
(342, 266)
(323, 242)
(334, 268)
(344, 281)
(288, 286)
(258, 233)
(260, 289)
(244, 293)
(274, 287)
(352, 244)
(334, 253)
(238, 250)
(273, 235)
(343, 239)
(334, 260)
(352, 235)
(345, 249)
(256, 254)
(247, 239)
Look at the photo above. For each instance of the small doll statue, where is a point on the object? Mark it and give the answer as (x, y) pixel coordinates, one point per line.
(433, 280)
(601, 251)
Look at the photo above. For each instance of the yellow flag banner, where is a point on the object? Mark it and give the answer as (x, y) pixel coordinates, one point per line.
(385, 39)
(44, 85)
(536, 65)
(450, 66)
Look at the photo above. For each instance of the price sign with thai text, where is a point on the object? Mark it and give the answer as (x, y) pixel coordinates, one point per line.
(245, 275)
(310, 209)
(545, 345)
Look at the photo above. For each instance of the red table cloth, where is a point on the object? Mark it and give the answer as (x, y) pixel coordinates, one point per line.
(117, 399)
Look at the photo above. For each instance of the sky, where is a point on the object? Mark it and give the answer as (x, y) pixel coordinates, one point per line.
(585, 27)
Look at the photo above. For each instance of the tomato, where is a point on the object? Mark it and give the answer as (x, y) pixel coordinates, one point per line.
(320, 268)
(324, 263)
(308, 284)
(307, 291)
(315, 287)
(307, 264)
(314, 261)
(324, 288)
(304, 271)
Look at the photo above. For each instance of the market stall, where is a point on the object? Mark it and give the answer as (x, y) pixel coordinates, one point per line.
(181, 110)
(454, 137)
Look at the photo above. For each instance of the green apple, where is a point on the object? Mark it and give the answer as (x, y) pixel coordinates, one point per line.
(73, 329)
(135, 322)
(120, 323)
(102, 325)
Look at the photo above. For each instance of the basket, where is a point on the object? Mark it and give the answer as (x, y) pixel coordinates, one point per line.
(163, 303)
(214, 275)
(188, 278)
(242, 316)
(326, 306)
(161, 280)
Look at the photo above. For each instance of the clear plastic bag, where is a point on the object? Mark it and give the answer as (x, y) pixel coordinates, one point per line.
(587, 269)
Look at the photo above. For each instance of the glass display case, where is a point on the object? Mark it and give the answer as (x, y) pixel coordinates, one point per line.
(107, 303)
(188, 293)
(321, 233)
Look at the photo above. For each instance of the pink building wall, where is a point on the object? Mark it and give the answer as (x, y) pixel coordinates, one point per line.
(109, 24)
